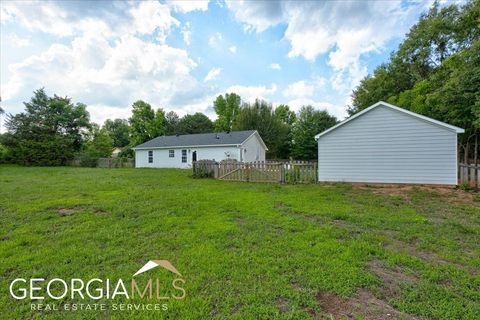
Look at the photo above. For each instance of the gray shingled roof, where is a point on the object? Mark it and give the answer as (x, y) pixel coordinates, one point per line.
(198, 139)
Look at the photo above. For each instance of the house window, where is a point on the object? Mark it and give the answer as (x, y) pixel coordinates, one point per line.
(171, 153)
(150, 156)
(184, 156)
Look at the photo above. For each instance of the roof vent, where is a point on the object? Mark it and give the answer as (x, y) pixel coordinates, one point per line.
(228, 131)
(216, 136)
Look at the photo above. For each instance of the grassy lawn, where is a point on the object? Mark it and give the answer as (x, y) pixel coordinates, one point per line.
(246, 250)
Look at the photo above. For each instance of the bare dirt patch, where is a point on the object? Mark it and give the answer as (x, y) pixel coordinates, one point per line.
(400, 246)
(364, 304)
(67, 211)
(450, 194)
(282, 304)
(99, 211)
(391, 278)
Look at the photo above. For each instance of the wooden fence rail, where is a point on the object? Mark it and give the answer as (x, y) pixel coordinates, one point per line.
(257, 171)
(469, 174)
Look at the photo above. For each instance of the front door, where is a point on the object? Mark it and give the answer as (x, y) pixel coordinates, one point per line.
(194, 156)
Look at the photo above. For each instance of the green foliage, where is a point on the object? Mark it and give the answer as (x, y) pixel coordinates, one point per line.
(196, 123)
(309, 123)
(48, 133)
(288, 117)
(5, 156)
(101, 145)
(227, 108)
(260, 116)
(145, 123)
(119, 132)
(171, 123)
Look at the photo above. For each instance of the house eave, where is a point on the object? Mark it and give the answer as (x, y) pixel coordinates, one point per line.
(191, 146)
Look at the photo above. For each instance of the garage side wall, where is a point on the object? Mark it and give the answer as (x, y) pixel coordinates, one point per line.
(388, 146)
(253, 150)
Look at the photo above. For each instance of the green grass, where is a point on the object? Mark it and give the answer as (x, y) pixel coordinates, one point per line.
(246, 250)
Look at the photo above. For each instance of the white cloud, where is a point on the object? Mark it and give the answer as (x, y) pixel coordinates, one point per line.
(345, 30)
(99, 113)
(275, 66)
(232, 49)
(144, 17)
(212, 74)
(257, 15)
(97, 72)
(343, 80)
(18, 42)
(187, 33)
(215, 39)
(35, 15)
(336, 110)
(186, 6)
(150, 16)
(304, 89)
(250, 93)
(299, 89)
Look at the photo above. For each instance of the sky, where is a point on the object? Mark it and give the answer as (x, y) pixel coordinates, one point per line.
(180, 55)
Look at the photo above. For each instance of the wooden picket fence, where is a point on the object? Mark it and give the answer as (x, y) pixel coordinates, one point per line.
(258, 171)
(469, 174)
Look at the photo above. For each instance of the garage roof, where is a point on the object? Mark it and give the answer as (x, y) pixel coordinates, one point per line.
(391, 106)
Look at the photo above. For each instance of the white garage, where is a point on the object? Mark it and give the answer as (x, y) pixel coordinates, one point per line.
(388, 144)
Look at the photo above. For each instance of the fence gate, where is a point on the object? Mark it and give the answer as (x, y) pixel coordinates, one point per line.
(252, 171)
(257, 171)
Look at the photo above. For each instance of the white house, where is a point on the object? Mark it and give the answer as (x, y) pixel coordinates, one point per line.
(180, 151)
(388, 144)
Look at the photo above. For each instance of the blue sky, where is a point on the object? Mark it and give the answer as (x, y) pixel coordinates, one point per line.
(181, 55)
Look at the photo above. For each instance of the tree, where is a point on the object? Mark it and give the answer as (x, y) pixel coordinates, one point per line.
(145, 123)
(49, 132)
(261, 117)
(286, 115)
(101, 144)
(309, 123)
(196, 123)
(171, 123)
(227, 109)
(118, 130)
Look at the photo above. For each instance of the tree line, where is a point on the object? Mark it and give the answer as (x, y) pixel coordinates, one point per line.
(54, 130)
(434, 72)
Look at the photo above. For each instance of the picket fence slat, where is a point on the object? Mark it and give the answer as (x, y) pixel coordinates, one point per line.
(469, 174)
(257, 171)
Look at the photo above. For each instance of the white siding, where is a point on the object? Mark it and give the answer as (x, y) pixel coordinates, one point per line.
(388, 146)
(253, 149)
(161, 157)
